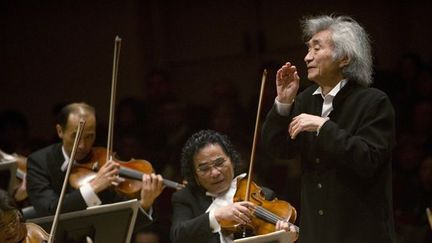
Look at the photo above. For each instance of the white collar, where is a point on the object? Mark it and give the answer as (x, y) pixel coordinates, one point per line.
(65, 163)
(332, 92)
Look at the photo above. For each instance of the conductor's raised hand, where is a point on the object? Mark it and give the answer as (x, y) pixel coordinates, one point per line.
(287, 83)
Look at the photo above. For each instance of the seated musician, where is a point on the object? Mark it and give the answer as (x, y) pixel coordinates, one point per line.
(47, 167)
(210, 165)
(12, 226)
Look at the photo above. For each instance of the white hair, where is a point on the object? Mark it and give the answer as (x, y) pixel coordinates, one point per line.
(350, 40)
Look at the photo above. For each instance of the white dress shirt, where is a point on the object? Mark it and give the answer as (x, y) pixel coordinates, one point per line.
(221, 201)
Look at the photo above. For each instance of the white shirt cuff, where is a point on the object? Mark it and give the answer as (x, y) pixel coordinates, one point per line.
(149, 214)
(214, 225)
(90, 197)
(283, 109)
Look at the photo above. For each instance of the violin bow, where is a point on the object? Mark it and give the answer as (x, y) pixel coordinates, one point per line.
(252, 158)
(124, 171)
(429, 216)
(66, 179)
(117, 45)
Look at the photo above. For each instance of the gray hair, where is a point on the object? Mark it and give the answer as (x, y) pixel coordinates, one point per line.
(350, 40)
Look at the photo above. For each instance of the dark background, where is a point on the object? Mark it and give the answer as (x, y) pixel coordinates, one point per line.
(53, 52)
(213, 53)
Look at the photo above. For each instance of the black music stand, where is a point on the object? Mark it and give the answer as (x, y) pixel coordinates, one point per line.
(274, 237)
(105, 223)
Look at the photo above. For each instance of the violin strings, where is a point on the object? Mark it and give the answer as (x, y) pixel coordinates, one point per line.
(267, 215)
(271, 217)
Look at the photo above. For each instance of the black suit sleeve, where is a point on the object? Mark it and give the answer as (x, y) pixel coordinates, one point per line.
(43, 189)
(190, 222)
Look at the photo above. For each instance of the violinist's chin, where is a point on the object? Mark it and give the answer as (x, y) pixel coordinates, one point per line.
(220, 187)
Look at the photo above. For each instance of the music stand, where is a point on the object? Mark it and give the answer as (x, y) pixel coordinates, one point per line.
(280, 236)
(104, 223)
(11, 166)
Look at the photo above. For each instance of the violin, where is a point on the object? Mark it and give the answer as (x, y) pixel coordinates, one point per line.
(19, 231)
(35, 234)
(133, 170)
(266, 212)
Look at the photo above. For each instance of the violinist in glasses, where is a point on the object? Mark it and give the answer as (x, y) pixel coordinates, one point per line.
(210, 165)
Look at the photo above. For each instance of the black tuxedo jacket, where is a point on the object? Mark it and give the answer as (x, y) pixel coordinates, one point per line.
(346, 190)
(190, 223)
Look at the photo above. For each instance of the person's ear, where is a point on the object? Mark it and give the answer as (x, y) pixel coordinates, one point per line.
(345, 61)
(59, 131)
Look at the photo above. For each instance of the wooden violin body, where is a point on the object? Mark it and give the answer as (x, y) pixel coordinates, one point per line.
(266, 213)
(35, 234)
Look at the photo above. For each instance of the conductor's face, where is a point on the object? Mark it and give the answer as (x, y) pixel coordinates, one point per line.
(88, 136)
(322, 67)
(213, 168)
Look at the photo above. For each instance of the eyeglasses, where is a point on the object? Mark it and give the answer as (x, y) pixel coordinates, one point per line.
(205, 169)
